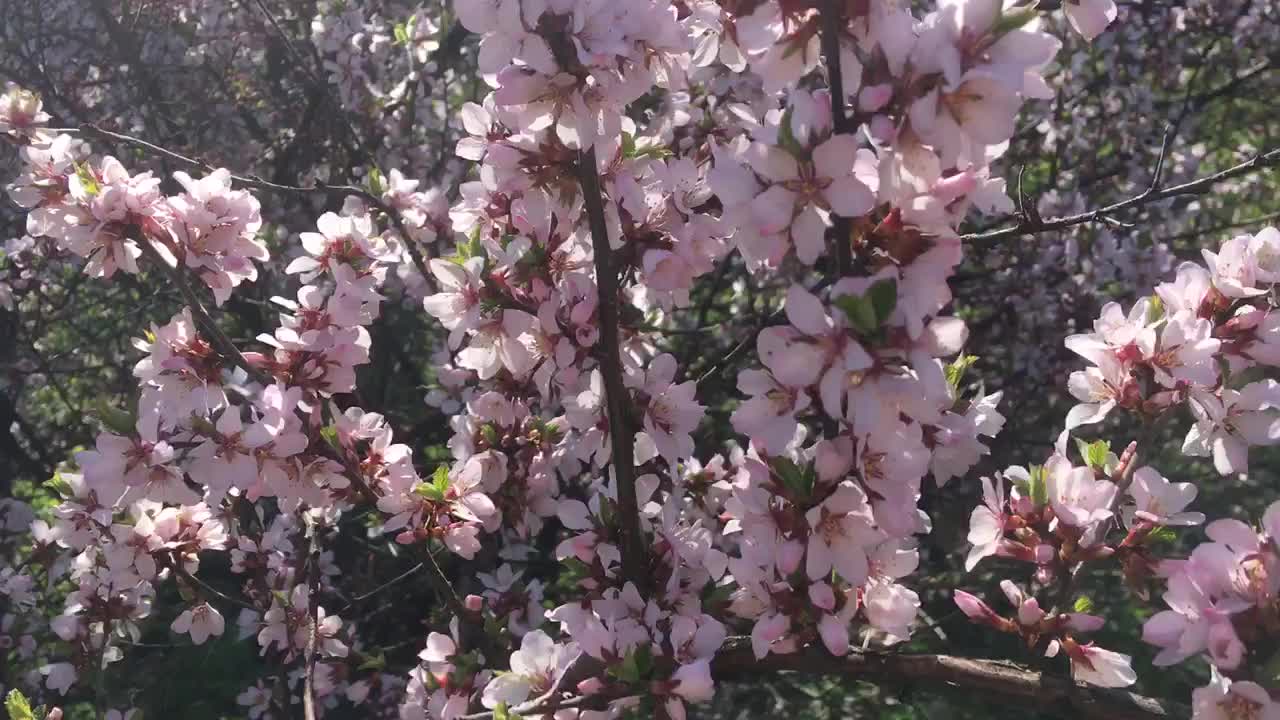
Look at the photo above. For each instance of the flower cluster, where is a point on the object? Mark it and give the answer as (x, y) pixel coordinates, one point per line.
(627, 150)
(1060, 518)
(1185, 344)
(1224, 604)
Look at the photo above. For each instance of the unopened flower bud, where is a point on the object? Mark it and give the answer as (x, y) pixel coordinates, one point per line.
(874, 97)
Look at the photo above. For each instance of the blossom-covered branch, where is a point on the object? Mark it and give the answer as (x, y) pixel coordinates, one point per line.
(587, 543)
(1012, 684)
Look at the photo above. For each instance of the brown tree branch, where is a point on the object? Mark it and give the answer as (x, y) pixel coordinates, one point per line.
(320, 86)
(1031, 226)
(313, 621)
(617, 399)
(996, 679)
(833, 24)
(224, 345)
(181, 572)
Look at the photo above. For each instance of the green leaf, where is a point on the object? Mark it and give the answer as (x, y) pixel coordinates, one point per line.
(1155, 309)
(867, 312)
(1038, 489)
(632, 150)
(1162, 534)
(1011, 21)
(495, 626)
(114, 419)
(635, 667)
(1082, 605)
(438, 487)
(373, 662)
(884, 298)
(376, 186)
(330, 435)
(429, 492)
(860, 312)
(1095, 454)
(956, 370)
(87, 180)
(786, 136)
(402, 34)
(59, 485)
(717, 595)
(469, 249)
(16, 704)
(501, 712)
(799, 481)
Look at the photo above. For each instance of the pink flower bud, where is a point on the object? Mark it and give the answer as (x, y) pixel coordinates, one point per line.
(474, 603)
(1080, 622)
(693, 681)
(973, 607)
(1244, 321)
(1045, 554)
(1029, 613)
(1225, 648)
(883, 129)
(590, 686)
(833, 459)
(1044, 574)
(821, 595)
(955, 186)
(789, 556)
(874, 97)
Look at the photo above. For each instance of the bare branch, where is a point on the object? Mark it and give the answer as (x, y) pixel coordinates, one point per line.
(182, 573)
(365, 596)
(313, 622)
(1152, 194)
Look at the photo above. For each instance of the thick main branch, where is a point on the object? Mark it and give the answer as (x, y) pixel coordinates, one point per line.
(617, 399)
(994, 681)
(833, 24)
(998, 680)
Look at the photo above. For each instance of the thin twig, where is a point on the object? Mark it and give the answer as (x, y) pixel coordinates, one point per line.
(321, 86)
(1268, 217)
(225, 346)
(1150, 195)
(182, 573)
(439, 581)
(365, 596)
(313, 622)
